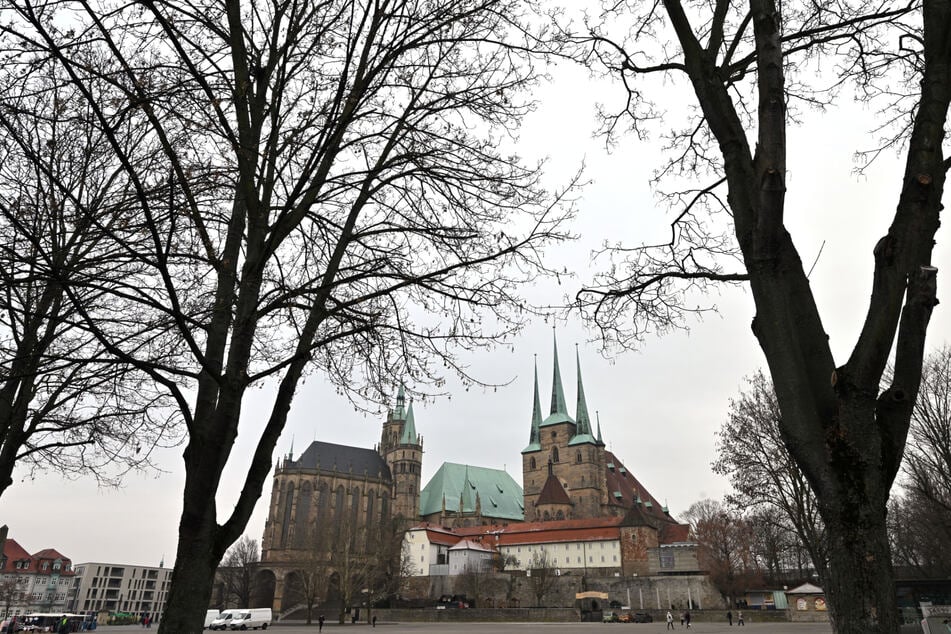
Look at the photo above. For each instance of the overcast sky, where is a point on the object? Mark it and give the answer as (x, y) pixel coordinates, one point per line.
(659, 407)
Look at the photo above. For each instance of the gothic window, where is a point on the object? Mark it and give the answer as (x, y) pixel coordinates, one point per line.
(547, 516)
(578, 457)
(371, 521)
(288, 504)
(339, 511)
(531, 464)
(385, 506)
(560, 515)
(302, 516)
(323, 502)
(554, 454)
(354, 516)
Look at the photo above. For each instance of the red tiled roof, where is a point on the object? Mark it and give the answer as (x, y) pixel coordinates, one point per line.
(50, 553)
(13, 552)
(470, 544)
(671, 533)
(630, 489)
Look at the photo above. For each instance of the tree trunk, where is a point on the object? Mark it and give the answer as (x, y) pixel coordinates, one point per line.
(860, 585)
(199, 553)
(192, 581)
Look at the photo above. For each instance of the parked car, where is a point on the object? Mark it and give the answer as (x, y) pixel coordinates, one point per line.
(642, 617)
(626, 617)
(610, 617)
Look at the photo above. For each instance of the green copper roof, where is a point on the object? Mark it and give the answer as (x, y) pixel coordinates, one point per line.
(499, 495)
(559, 410)
(534, 438)
(583, 429)
(409, 428)
(600, 442)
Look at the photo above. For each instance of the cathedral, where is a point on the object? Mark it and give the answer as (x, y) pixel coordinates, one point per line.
(567, 474)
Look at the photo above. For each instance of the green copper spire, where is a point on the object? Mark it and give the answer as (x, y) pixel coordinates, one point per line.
(583, 428)
(400, 401)
(559, 411)
(581, 415)
(557, 391)
(600, 442)
(534, 439)
(409, 428)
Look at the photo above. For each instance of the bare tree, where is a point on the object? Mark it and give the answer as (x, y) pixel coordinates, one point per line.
(745, 65)
(313, 567)
(920, 518)
(542, 576)
(725, 552)
(323, 186)
(237, 572)
(751, 452)
(66, 405)
(928, 455)
(12, 592)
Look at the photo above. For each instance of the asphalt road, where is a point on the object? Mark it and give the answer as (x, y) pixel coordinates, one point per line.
(527, 628)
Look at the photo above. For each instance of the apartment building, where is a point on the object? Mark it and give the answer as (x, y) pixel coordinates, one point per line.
(109, 587)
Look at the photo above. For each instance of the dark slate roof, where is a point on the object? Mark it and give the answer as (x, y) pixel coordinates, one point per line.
(328, 456)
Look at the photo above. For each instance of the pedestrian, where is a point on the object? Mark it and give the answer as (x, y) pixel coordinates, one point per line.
(374, 620)
(670, 621)
(63, 625)
(687, 618)
(729, 617)
(739, 619)
(320, 623)
(682, 618)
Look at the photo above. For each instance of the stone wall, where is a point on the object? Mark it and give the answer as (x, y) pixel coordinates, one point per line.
(640, 592)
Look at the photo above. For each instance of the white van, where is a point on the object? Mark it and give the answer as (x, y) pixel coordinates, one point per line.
(224, 619)
(251, 619)
(210, 616)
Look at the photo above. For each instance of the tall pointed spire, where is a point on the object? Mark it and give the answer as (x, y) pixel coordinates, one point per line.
(534, 438)
(581, 415)
(600, 442)
(557, 391)
(409, 427)
(400, 401)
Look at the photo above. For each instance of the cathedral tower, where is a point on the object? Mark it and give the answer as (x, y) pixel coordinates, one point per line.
(565, 451)
(402, 448)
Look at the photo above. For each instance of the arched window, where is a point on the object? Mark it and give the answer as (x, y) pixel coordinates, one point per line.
(531, 464)
(560, 515)
(547, 516)
(371, 521)
(554, 454)
(578, 457)
(302, 516)
(354, 515)
(323, 504)
(288, 507)
(340, 512)
(385, 506)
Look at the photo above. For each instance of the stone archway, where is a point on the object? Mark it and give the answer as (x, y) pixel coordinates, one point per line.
(264, 589)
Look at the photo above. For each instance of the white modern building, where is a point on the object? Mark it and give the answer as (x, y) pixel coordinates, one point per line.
(108, 587)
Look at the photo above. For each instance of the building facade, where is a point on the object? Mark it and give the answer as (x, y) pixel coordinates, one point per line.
(41, 582)
(139, 590)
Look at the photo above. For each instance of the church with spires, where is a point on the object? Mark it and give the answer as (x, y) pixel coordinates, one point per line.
(333, 496)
